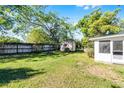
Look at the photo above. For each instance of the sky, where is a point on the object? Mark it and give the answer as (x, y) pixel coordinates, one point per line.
(76, 12)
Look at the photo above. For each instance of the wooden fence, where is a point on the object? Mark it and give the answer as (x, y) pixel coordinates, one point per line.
(17, 48)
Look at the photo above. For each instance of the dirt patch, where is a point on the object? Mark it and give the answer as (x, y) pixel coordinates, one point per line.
(104, 72)
(81, 63)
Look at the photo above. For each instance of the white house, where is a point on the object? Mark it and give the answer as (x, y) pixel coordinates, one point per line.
(70, 44)
(109, 49)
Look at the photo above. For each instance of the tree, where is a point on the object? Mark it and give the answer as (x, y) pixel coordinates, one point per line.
(25, 18)
(99, 23)
(78, 44)
(36, 35)
(6, 22)
(7, 39)
(122, 25)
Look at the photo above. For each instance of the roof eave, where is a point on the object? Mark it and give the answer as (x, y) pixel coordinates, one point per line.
(106, 37)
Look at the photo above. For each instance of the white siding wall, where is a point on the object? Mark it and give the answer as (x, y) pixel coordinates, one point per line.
(107, 58)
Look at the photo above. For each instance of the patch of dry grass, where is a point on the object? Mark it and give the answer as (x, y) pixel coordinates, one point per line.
(105, 72)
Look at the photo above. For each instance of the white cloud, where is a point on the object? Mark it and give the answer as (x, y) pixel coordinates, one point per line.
(79, 5)
(94, 6)
(86, 7)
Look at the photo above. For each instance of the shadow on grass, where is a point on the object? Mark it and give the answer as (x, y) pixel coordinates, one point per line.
(11, 58)
(72, 52)
(44, 55)
(8, 75)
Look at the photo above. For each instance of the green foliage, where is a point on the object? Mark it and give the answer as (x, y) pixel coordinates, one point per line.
(6, 39)
(27, 17)
(84, 41)
(122, 24)
(78, 44)
(36, 35)
(90, 52)
(99, 23)
(6, 22)
(67, 50)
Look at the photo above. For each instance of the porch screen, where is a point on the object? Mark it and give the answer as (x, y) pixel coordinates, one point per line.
(104, 46)
(117, 48)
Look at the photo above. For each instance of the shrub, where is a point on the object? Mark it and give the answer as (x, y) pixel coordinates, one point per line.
(67, 49)
(90, 52)
(6, 39)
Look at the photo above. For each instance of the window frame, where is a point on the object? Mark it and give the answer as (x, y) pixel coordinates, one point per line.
(118, 51)
(103, 52)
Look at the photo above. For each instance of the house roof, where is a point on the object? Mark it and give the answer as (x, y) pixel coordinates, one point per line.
(107, 37)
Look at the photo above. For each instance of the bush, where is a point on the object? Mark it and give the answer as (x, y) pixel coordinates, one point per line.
(90, 52)
(67, 50)
(7, 39)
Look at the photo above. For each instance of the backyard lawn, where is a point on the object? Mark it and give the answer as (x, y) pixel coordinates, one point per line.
(59, 70)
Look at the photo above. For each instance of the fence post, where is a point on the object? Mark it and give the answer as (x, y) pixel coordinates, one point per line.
(17, 49)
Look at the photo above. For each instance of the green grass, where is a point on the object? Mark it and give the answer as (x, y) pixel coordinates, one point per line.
(58, 70)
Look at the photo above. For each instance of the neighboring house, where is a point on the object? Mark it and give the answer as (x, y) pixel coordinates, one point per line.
(68, 44)
(109, 49)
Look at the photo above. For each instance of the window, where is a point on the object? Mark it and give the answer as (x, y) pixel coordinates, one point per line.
(104, 46)
(117, 48)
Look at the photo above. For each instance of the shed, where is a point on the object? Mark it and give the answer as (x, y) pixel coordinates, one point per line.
(68, 44)
(109, 49)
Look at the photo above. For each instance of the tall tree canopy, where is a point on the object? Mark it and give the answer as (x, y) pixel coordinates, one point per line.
(99, 23)
(37, 35)
(6, 22)
(24, 18)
